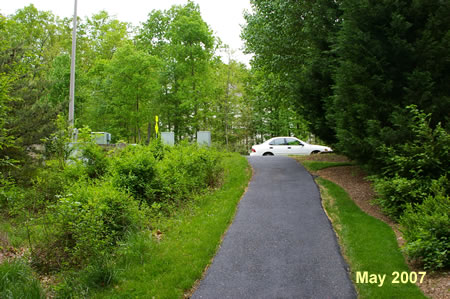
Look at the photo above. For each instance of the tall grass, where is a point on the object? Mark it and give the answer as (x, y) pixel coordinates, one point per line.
(17, 281)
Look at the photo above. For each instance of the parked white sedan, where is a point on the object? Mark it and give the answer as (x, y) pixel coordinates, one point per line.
(287, 146)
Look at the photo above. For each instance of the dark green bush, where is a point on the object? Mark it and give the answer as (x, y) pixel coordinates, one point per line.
(397, 192)
(133, 170)
(427, 230)
(412, 167)
(87, 222)
(17, 281)
(157, 173)
(413, 186)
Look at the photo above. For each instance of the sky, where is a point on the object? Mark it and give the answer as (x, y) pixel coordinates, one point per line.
(223, 16)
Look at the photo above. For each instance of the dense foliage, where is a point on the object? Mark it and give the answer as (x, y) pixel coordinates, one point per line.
(168, 66)
(415, 167)
(427, 229)
(77, 203)
(370, 77)
(90, 215)
(84, 209)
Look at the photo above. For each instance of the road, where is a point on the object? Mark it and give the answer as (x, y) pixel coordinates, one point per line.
(281, 243)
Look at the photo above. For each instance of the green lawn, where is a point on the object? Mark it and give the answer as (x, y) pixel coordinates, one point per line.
(368, 245)
(317, 165)
(168, 268)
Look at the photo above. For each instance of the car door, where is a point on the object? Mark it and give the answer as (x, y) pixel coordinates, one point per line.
(278, 146)
(295, 147)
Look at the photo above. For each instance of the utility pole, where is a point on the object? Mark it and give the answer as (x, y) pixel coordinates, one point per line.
(72, 69)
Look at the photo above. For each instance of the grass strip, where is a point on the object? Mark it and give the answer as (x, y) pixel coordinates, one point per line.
(368, 245)
(170, 267)
(318, 165)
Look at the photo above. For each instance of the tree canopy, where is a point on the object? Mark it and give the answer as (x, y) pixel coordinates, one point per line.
(352, 67)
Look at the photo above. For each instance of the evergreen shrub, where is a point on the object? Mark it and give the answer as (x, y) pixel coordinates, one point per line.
(427, 230)
(412, 168)
(414, 187)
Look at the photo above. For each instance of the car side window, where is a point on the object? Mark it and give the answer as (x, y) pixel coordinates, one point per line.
(292, 141)
(278, 141)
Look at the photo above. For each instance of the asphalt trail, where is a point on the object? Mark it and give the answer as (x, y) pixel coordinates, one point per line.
(281, 244)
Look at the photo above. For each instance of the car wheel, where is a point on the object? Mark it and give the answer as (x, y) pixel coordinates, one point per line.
(315, 152)
(268, 154)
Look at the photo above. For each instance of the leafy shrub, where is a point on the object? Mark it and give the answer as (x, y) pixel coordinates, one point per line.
(51, 183)
(412, 168)
(397, 192)
(427, 230)
(88, 222)
(157, 148)
(58, 145)
(11, 197)
(187, 169)
(17, 281)
(134, 171)
(414, 186)
(95, 160)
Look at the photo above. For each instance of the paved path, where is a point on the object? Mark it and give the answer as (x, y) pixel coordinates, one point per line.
(281, 244)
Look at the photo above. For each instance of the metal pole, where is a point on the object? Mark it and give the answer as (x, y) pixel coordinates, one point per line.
(72, 68)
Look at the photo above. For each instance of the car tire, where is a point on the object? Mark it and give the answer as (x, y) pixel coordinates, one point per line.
(268, 154)
(315, 152)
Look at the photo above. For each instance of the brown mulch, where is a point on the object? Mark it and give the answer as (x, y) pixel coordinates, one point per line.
(352, 180)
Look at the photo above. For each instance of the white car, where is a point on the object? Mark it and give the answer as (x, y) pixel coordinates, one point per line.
(287, 146)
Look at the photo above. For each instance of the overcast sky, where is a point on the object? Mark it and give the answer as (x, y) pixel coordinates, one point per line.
(223, 16)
